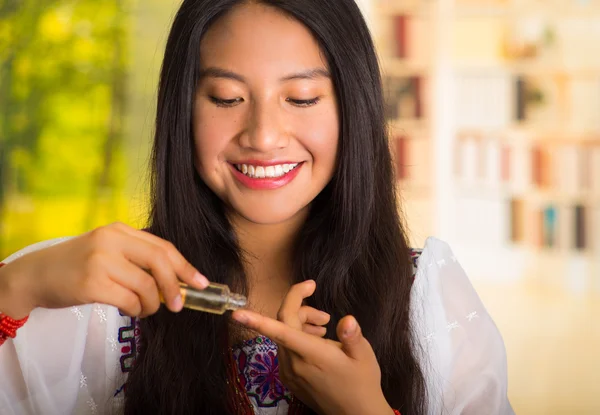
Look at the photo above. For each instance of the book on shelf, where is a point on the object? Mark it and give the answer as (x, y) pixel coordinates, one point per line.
(584, 176)
(401, 32)
(517, 215)
(402, 157)
(580, 241)
(541, 165)
(520, 98)
(410, 37)
(549, 226)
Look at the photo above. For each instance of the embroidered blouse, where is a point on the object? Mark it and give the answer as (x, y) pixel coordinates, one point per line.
(76, 360)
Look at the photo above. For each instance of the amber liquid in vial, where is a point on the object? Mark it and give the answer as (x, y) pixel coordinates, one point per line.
(216, 298)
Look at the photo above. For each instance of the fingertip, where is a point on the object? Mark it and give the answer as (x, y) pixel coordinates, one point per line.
(241, 317)
(200, 281)
(348, 327)
(177, 304)
(311, 285)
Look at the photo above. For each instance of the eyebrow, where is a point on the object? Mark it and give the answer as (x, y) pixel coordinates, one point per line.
(311, 74)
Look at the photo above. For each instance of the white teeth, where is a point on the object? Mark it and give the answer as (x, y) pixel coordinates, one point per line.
(270, 171)
(260, 172)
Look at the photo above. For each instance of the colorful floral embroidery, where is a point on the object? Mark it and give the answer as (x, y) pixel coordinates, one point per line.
(258, 369)
(128, 335)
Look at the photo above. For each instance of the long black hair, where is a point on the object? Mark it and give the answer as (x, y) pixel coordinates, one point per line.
(353, 242)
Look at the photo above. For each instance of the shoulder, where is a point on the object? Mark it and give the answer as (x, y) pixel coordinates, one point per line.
(35, 247)
(434, 252)
(463, 354)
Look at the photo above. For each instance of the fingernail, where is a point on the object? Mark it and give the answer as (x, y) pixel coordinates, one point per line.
(240, 317)
(200, 280)
(351, 330)
(177, 303)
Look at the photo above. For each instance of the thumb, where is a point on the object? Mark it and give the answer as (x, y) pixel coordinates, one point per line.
(353, 342)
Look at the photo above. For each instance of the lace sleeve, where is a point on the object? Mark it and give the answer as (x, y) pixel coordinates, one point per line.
(35, 247)
(462, 351)
(63, 361)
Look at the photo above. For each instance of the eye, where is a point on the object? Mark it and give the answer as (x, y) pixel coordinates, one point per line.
(303, 102)
(226, 103)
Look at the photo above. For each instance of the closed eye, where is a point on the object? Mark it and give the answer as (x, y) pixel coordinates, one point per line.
(303, 102)
(226, 103)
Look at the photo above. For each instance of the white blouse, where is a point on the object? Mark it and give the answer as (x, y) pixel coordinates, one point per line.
(75, 360)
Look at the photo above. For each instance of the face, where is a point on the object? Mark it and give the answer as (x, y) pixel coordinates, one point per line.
(266, 119)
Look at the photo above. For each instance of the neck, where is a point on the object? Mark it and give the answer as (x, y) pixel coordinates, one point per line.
(268, 248)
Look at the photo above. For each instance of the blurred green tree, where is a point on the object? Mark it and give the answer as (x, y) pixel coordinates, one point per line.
(63, 76)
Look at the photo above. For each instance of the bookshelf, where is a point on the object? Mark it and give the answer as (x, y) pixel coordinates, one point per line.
(494, 110)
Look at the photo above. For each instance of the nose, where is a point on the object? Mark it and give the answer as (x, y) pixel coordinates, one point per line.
(265, 131)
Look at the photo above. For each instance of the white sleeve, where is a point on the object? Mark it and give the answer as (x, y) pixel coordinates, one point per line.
(461, 350)
(63, 361)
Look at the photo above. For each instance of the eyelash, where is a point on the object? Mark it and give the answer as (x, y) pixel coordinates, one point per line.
(304, 102)
(229, 103)
(225, 103)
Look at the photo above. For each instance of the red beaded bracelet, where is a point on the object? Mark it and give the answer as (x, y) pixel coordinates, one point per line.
(9, 326)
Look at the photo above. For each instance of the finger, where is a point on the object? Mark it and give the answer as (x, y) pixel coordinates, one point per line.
(140, 282)
(353, 342)
(303, 344)
(314, 330)
(290, 307)
(120, 297)
(154, 259)
(313, 316)
(184, 270)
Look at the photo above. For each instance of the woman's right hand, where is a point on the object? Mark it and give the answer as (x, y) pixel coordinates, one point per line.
(114, 264)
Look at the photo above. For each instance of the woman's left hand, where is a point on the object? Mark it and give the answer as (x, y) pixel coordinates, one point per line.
(340, 378)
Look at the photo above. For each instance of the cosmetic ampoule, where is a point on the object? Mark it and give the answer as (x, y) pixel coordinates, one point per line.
(216, 298)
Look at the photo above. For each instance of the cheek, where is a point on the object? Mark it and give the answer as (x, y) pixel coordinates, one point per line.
(212, 133)
(321, 138)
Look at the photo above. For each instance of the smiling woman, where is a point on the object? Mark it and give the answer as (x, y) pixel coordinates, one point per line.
(265, 101)
(272, 175)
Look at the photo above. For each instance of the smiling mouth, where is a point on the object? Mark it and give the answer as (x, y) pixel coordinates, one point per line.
(266, 172)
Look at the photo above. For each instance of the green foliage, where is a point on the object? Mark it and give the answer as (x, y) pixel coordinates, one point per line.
(63, 82)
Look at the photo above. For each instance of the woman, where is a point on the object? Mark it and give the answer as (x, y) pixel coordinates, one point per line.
(272, 174)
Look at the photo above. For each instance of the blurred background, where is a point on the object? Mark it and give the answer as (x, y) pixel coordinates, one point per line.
(494, 112)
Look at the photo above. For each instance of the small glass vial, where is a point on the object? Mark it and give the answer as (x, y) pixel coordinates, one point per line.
(216, 298)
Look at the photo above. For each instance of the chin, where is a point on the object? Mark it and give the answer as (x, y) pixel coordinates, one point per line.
(269, 216)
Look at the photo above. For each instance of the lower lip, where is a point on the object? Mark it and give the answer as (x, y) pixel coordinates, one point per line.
(268, 183)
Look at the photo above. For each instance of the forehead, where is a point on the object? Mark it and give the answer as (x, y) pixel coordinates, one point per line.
(255, 38)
